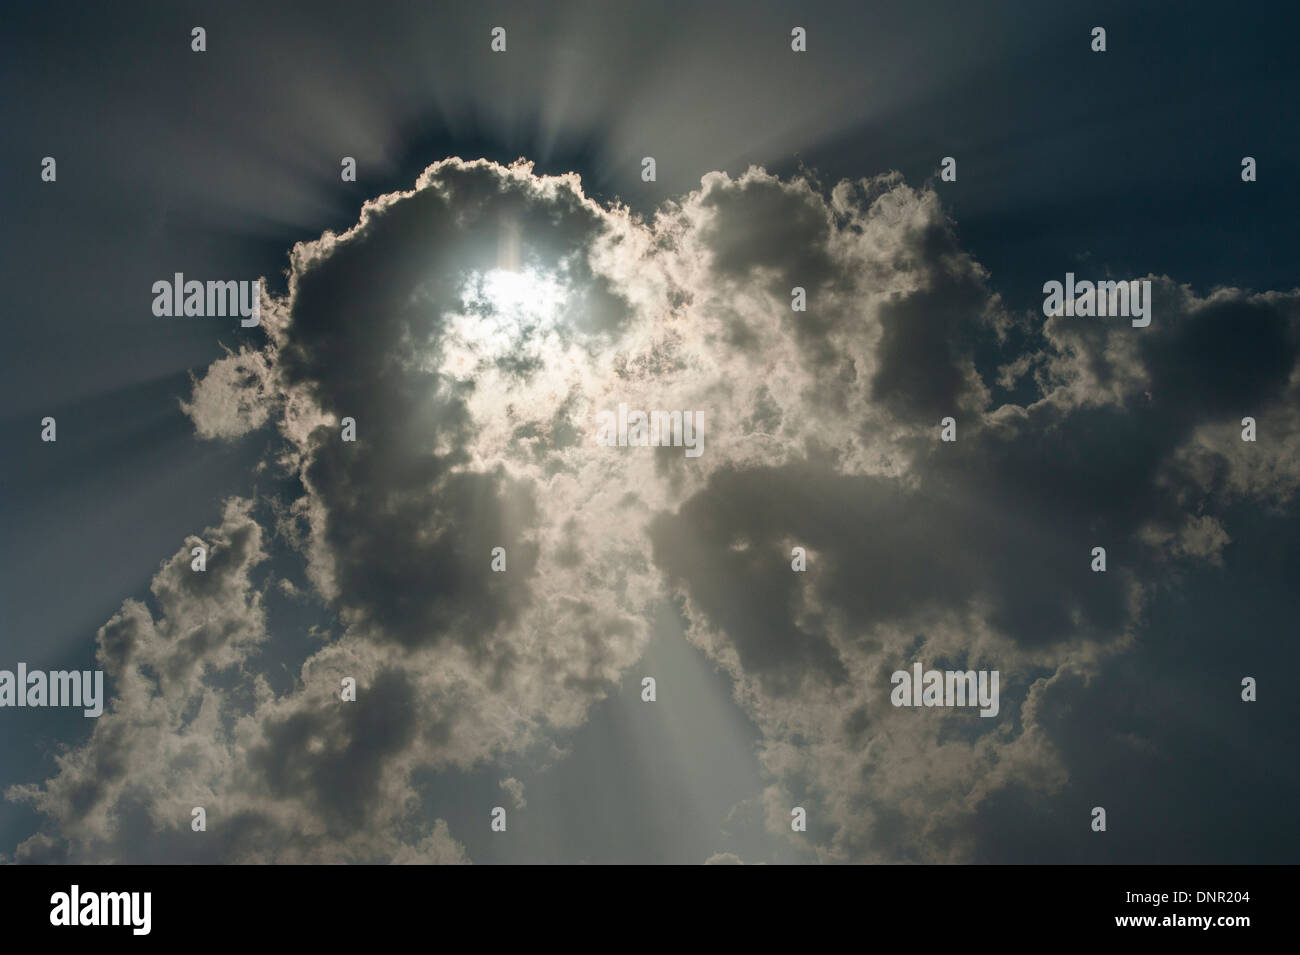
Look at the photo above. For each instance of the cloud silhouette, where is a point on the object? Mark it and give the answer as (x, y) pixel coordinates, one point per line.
(473, 328)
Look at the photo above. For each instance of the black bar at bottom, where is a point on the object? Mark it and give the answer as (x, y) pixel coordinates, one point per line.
(363, 904)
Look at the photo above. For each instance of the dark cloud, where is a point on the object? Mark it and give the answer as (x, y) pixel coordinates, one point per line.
(474, 326)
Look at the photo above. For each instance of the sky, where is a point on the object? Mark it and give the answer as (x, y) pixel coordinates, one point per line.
(499, 273)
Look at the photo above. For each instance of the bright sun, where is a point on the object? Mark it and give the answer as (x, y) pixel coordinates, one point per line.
(508, 313)
(526, 295)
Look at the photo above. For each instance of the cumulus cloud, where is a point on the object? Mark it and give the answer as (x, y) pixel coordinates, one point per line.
(473, 328)
(724, 858)
(194, 724)
(515, 789)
